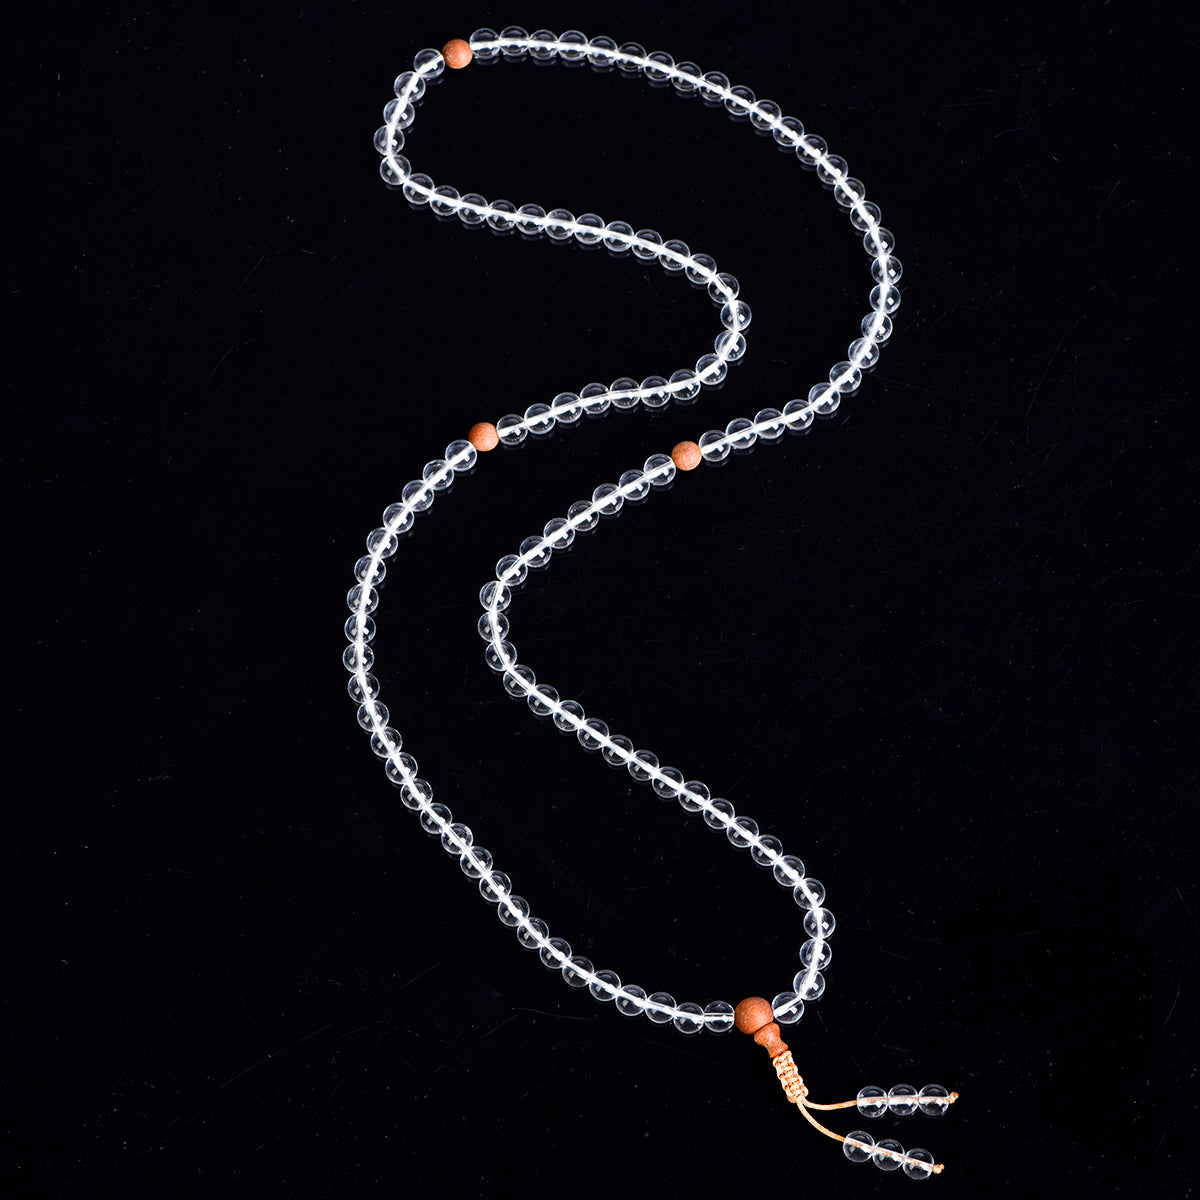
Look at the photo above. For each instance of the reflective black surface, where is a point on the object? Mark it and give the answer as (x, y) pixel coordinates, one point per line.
(942, 646)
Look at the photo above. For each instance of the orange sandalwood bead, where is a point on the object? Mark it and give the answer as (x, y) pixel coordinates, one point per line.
(457, 53)
(756, 1016)
(483, 436)
(686, 456)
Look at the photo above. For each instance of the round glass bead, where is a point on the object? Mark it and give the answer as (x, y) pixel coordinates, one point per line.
(605, 986)
(810, 893)
(766, 850)
(877, 326)
(568, 717)
(517, 33)
(595, 399)
(543, 700)
(816, 953)
(878, 241)
(764, 113)
(831, 168)
(642, 765)
(902, 1100)
(887, 268)
(469, 210)
(845, 377)
(398, 518)
(741, 433)
(686, 77)
(600, 51)
(742, 832)
(922, 1168)
(373, 715)
(544, 51)
(864, 216)
(659, 66)
(719, 814)
(384, 741)
(824, 398)
(555, 953)
(438, 474)
(389, 140)
(788, 871)
(713, 86)
(933, 1100)
(858, 1146)
(474, 862)
(711, 370)
(624, 393)
(629, 998)
(617, 235)
(646, 248)
(429, 63)
(787, 132)
(885, 301)
(539, 419)
(739, 100)
(519, 681)
(819, 923)
(583, 516)
(809, 149)
(719, 1016)
(503, 215)
(535, 552)
(714, 446)
(415, 794)
(797, 414)
(395, 170)
(788, 1008)
(356, 657)
(654, 392)
(659, 470)
(435, 818)
(617, 751)
(494, 886)
(700, 269)
(730, 345)
(883, 1159)
(530, 218)
(573, 971)
(483, 43)
(674, 255)
(667, 783)
(572, 46)
(848, 191)
(512, 910)
(694, 796)
(532, 932)
(663, 1000)
(723, 289)
(607, 499)
(633, 50)
(811, 986)
(406, 81)
(736, 315)
(362, 688)
(499, 656)
(685, 386)
(589, 229)
(634, 485)
(863, 352)
(770, 424)
(872, 1102)
(560, 225)
(689, 1019)
(495, 595)
(511, 570)
(369, 570)
(444, 200)
(589, 737)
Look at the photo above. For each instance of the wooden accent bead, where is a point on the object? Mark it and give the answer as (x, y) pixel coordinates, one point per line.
(483, 436)
(457, 53)
(755, 1015)
(686, 456)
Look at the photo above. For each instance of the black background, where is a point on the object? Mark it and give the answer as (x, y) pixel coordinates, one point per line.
(943, 645)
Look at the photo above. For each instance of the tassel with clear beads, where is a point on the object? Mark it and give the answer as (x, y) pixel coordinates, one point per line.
(755, 1016)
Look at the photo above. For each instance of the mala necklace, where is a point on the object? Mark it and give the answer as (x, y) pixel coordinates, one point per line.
(755, 1016)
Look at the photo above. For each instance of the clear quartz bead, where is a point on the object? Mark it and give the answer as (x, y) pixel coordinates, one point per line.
(530, 218)
(573, 972)
(883, 1156)
(532, 932)
(494, 886)
(788, 1008)
(719, 814)
(573, 48)
(872, 1102)
(560, 225)
(624, 393)
(503, 216)
(810, 893)
(819, 923)
(634, 485)
(659, 67)
(738, 102)
(429, 63)
(589, 737)
(765, 850)
(605, 986)
(686, 386)
(811, 987)
(555, 953)
(617, 235)
(642, 765)
(686, 78)
(719, 1016)
(689, 1019)
(544, 51)
(589, 229)
(512, 910)
(649, 240)
(740, 433)
(788, 871)
(770, 424)
(815, 953)
(516, 32)
(568, 717)
(667, 783)
(539, 419)
(483, 43)
(600, 52)
(933, 1100)
(764, 113)
(618, 751)
(711, 370)
(694, 796)
(661, 1000)
(713, 446)
(629, 999)
(633, 50)
(797, 415)
(742, 832)
(922, 1168)
(736, 315)
(858, 1146)
(902, 1100)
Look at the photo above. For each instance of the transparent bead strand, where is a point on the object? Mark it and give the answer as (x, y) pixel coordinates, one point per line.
(741, 433)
